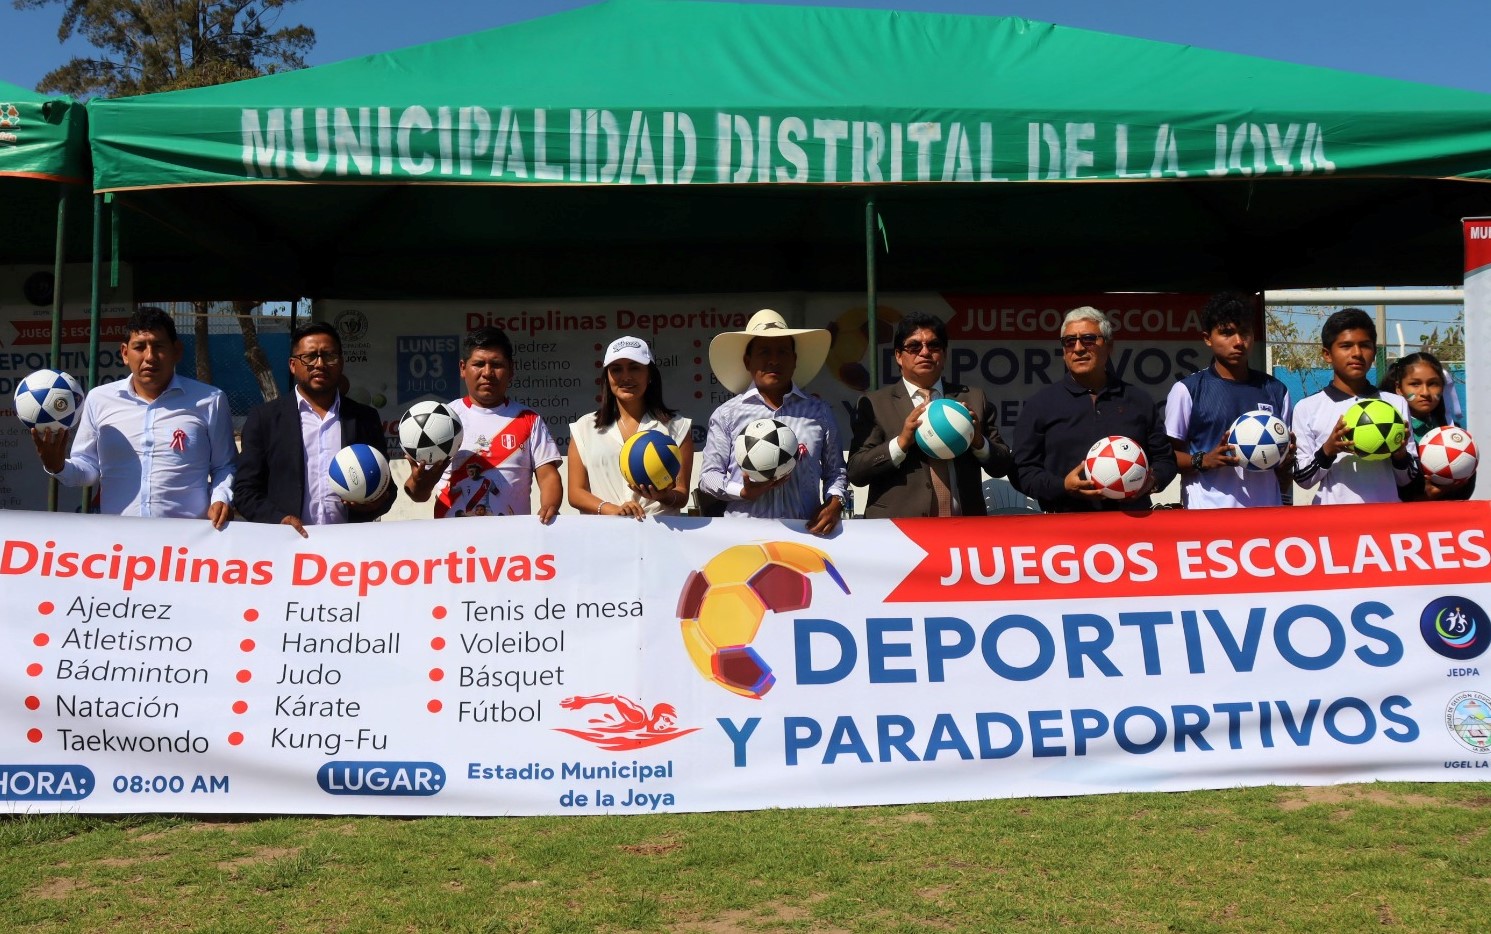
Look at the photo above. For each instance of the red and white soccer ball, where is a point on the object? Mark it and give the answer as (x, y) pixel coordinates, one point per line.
(1447, 454)
(1119, 466)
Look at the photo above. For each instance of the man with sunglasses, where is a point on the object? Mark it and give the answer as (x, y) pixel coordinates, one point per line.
(288, 443)
(1090, 402)
(903, 482)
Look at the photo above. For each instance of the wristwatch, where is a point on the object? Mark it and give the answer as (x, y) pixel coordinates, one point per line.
(1198, 460)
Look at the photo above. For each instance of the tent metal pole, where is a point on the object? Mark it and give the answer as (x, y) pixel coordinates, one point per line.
(94, 304)
(872, 323)
(58, 263)
(58, 266)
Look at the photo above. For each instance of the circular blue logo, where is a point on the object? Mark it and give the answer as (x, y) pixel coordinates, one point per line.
(1455, 627)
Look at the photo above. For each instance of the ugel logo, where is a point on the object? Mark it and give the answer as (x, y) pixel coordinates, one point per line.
(416, 779)
(45, 782)
(1468, 718)
(722, 605)
(1455, 627)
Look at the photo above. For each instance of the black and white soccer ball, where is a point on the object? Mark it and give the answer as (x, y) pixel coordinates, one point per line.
(766, 450)
(430, 432)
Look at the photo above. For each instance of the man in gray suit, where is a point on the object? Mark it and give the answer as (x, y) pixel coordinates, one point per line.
(903, 482)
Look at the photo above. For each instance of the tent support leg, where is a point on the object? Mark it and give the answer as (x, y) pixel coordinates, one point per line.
(58, 266)
(94, 306)
(872, 323)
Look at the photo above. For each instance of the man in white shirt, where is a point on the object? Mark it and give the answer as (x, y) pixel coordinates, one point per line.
(158, 444)
(504, 444)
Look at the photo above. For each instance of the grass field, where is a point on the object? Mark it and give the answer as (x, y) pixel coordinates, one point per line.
(1344, 858)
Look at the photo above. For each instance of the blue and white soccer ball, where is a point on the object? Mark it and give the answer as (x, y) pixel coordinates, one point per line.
(766, 449)
(49, 400)
(359, 473)
(430, 432)
(1260, 439)
(946, 430)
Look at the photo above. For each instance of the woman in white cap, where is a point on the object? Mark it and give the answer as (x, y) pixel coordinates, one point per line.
(631, 401)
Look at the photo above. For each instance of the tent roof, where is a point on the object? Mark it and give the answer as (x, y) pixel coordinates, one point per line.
(656, 145)
(43, 142)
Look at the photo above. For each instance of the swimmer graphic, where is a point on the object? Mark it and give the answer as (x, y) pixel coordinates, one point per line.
(628, 725)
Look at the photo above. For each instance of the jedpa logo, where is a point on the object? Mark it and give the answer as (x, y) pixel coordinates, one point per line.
(722, 605)
(1455, 627)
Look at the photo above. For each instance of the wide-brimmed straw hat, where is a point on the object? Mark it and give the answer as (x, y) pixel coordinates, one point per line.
(727, 350)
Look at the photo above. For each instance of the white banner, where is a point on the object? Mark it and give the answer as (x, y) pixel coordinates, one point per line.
(601, 665)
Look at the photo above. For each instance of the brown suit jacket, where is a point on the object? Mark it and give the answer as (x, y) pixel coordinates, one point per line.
(905, 491)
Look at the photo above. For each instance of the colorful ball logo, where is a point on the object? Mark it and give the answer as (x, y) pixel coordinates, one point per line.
(722, 605)
(1455, 627)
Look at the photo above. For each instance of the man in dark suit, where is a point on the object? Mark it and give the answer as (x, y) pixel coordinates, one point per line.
(288, 444)
(903, 482)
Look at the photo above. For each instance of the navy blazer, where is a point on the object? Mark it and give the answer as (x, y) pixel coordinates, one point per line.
(269, 483)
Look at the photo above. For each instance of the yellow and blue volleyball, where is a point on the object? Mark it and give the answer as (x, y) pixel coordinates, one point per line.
(650, 458)
(1376, 428)
(946, 430)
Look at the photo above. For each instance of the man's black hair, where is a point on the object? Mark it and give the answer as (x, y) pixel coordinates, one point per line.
(487, 338)
(310, 330)
(914, 321)
(150, 318)
(1232, 308)
(1347, 319)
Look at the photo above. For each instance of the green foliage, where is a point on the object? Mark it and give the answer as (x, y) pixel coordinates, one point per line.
(1335, 858)
(150, 45)
(1293, 350)
(1450, 346)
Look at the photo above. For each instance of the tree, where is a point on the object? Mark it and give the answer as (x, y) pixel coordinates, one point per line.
(166, 45)
(1451, 345)
(1292, 351)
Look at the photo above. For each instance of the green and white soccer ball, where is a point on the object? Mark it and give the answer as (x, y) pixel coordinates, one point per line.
(1376, 429)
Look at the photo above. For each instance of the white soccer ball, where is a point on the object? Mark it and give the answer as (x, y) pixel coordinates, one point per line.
(359, 473)
(765, 450)
(430, 432)
(1260, 439)
(1447, 454)
(946, 430)
(49, 400)
(1119, 466)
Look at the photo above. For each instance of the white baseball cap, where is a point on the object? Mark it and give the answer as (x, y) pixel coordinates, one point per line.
(628, 348)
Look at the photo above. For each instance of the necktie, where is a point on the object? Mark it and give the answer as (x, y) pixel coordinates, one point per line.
(942, 493)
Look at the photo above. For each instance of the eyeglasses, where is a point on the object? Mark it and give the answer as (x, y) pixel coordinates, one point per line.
(916, 347)
(325, 356)
(1071, 341)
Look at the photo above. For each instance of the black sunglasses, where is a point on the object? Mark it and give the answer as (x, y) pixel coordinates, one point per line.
(916, 347)
(1086, 340)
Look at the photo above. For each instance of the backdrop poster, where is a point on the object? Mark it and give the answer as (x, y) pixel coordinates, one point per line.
(26, 346)
(401, 352)
(606, 666)
(1478, 328)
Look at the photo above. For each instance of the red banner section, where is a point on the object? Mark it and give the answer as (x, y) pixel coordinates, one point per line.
(73, 332)
(1181, 553)
(1156, 316)
(1477, 244)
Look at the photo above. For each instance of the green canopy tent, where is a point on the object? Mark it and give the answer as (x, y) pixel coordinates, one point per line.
(647, 146)
(43, 174)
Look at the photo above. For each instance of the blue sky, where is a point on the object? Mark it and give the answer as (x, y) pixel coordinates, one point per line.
(1433, 41)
